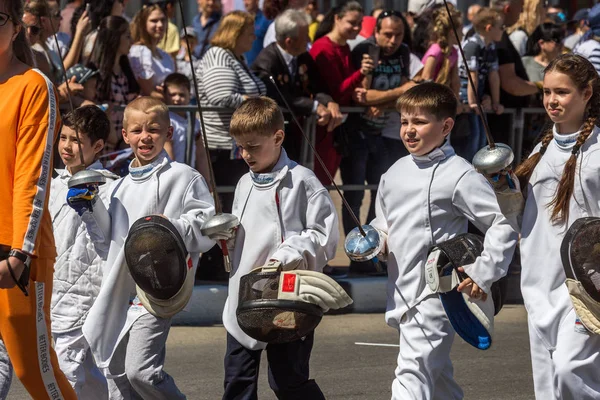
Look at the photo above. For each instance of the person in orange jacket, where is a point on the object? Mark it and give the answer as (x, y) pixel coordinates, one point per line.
(29, 122)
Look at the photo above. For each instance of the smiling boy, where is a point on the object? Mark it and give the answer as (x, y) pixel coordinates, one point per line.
(424, 199)
(127, 341)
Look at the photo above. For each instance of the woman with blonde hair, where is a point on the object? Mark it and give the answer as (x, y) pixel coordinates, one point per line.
(29, 126)
(224, 80)
(150, 64)
(532, 15)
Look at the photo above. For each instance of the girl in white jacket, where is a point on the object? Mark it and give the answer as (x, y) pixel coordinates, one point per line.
(561, 182)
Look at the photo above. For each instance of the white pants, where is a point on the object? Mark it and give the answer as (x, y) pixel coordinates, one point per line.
(424, 369)
(76, 361)
(570, 370)
(136, 369)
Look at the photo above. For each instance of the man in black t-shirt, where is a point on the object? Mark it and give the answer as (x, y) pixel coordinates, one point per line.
(514, 82)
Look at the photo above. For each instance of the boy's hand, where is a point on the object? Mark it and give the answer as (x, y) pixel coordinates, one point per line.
(498, 108)
(82, 199)
(360, 95)
(470, 288)
(224, 235)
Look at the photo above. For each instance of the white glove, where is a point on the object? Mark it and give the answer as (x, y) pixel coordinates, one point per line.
(508, 192)
(224, 235)
(312, 287)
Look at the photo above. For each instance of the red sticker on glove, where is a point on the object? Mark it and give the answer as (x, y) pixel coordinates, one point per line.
(289, 283)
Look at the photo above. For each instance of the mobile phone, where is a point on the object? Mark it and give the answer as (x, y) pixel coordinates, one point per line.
(374, 51)
(88, 6)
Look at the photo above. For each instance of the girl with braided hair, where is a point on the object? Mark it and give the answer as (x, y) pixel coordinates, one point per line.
(561, 181)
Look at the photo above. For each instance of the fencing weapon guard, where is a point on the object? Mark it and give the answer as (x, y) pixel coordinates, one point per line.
(472, 319)
(220, 221)
(283, 306)
(580, 254)
(160, 265)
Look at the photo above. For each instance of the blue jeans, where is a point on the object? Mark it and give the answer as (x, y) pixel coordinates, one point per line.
(367, 161)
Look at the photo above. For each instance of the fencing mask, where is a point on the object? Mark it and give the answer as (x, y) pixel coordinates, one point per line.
(160, 265)
(283, 306)
(580, 253)
(472, 319)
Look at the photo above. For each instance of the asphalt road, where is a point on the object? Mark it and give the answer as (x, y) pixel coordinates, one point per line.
(346, 371)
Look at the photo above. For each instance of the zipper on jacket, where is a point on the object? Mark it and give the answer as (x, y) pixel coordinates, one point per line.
(279, 214)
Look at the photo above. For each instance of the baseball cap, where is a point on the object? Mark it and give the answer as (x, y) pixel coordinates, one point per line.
(581, 15)
(594, 19)
(188, 31)
(81, 73)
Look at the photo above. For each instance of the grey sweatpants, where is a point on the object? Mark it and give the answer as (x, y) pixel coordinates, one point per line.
(6, 372)
(136, 369)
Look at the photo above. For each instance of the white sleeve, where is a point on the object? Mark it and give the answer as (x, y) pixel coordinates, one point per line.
(317, 243)
(98, 223)
(380, 221)
(475, 199)
(140, 58)
(197, 206)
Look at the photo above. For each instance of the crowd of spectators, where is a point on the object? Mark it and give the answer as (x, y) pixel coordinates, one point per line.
(318, 62)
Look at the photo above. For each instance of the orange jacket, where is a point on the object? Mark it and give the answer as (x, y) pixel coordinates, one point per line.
(28, 125)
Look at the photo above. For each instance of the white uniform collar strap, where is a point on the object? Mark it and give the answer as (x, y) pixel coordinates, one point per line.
(64, 173)
(565, 141)
(439, 153)
(144, 172)
(268, 179)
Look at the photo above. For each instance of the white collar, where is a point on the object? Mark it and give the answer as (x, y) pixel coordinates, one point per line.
(439, 153)
(565, 141)
(144, 172)
(287, 57)
(268, 179)
(64, 173)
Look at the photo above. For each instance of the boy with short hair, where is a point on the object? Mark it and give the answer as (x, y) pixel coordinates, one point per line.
(443, 194)
(177, 93)
(278, 199)
(482, 59)
(78, 268)
(126, 340)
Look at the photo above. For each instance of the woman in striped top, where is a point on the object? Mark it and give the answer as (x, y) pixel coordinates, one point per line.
(224, 80)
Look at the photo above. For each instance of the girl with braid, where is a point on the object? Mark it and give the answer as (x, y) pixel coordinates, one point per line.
(561, 181)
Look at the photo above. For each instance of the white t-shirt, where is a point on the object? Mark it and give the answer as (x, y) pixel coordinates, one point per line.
(519, 40)
(145, 66)
(180, 133)
(392, 127)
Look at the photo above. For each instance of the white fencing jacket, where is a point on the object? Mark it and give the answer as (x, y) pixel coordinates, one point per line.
(77, 270)
(164, 187)
(425, 200)
(543, 278)
(285, 215)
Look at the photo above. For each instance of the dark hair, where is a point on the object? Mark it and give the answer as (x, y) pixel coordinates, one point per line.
(547, 31)
(421, 35)
(329, 20)
(431, 97)
(584, 75)
(272, 8)
(98, 11)
(90, 121)
(104, 54)
(20, 46)
(177, 79)
(39, 8)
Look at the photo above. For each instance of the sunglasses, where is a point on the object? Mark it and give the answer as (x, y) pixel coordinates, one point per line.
(388, 13)
(4, 18)
(34, 29)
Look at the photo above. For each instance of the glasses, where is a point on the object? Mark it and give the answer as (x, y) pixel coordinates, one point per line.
(4, 18)
(34, 29)
(388, 13)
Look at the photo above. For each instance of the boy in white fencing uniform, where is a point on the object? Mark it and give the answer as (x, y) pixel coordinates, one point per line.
(77, 270)
(286, 217)
(426, 198)
(127, 341)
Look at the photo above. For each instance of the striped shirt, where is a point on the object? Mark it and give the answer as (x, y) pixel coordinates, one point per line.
(222, 81)
(589, 49)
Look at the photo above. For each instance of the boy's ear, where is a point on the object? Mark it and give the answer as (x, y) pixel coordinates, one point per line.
(279, 136)
(448, 125)
(124, 133)
(488, 27)
(170, 133)
(98, 146)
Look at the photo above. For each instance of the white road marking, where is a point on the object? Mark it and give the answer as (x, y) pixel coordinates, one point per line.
(376, 344)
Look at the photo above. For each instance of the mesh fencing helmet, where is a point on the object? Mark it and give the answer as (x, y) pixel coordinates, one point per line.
(580, 253)
(160, 265)
(472, 319)
(281, 307)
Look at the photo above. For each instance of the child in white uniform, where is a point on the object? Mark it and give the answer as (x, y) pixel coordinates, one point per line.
(561, 181)
(426, 198)
(285, 215)
(127, 341)
(78, 269)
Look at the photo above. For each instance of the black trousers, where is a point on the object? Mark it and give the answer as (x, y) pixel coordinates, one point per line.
(288, 371)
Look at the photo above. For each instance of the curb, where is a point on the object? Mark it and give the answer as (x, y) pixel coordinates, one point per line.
(368, 293)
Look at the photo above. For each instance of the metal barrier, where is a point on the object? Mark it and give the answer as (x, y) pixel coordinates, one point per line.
(515, 137)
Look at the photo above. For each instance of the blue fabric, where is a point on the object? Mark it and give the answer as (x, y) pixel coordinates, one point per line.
(261, 24)
(466, 325)
(82, 199)
(205, 33)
